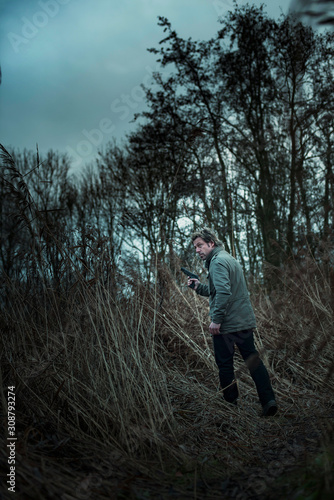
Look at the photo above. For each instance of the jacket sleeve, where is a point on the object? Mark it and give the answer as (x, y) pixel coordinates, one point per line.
(222, 284)
(202, 290)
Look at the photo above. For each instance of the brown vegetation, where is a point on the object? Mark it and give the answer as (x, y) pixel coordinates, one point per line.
(118, 397)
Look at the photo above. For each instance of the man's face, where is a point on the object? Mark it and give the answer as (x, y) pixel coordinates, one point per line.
(202, 248)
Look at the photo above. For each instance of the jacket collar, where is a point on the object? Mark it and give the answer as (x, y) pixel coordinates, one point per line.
(212, 254)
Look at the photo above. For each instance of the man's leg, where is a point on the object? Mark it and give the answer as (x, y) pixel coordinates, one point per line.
(245, 342)
(224, 351)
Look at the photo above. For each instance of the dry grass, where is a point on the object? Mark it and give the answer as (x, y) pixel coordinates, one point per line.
(119, 397)
(117, 393)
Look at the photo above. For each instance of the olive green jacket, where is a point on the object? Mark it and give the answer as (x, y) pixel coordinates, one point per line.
(227, 291)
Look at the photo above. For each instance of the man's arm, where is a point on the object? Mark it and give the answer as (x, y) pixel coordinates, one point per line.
(221, 280)
(202, 290)
(198, 287)
(214, 328)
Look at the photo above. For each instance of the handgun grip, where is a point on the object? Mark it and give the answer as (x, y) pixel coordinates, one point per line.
(191, 275)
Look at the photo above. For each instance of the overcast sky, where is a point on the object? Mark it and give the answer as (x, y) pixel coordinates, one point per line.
(72, 69)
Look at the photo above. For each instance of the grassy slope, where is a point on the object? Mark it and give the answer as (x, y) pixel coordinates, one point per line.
(119, 398)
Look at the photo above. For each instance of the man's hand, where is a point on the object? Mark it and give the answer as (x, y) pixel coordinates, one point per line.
(194, 282)
(214, 328)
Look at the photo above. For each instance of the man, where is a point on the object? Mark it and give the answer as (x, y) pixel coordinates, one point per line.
(232, 318)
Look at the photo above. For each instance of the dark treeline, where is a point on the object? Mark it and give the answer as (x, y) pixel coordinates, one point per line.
(238, 134)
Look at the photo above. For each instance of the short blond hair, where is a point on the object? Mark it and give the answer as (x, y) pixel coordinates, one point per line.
(207, 235)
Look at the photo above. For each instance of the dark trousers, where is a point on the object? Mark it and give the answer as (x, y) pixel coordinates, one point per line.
(224, 346)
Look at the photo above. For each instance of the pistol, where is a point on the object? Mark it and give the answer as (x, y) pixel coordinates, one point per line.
(191, 275)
